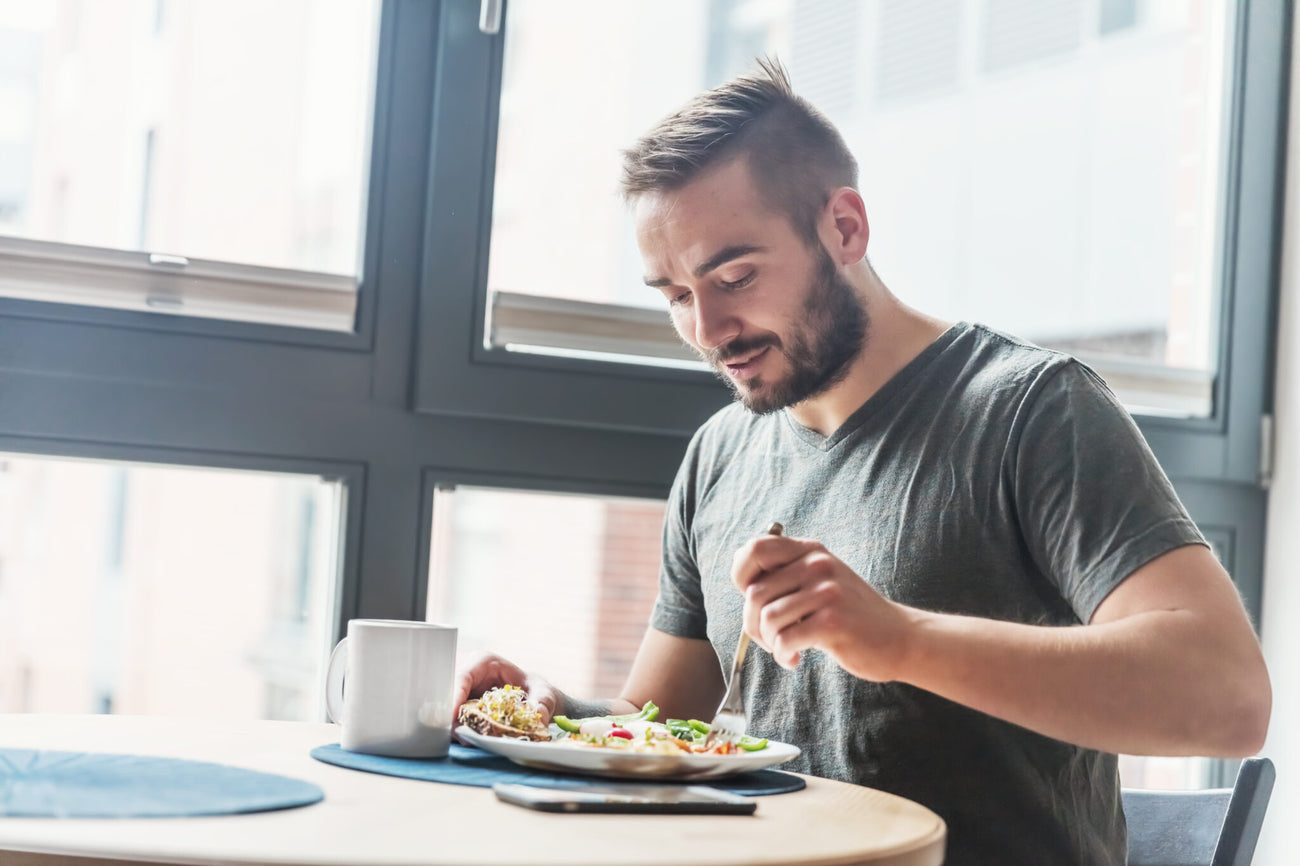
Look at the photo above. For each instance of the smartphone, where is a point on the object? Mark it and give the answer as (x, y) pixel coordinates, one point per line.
(655, 799)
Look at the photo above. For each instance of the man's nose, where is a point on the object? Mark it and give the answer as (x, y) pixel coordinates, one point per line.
(716, 323)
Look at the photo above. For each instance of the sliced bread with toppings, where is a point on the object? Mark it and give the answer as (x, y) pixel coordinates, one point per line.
(504, 712)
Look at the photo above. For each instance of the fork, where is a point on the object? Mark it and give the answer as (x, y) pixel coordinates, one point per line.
(730, 721)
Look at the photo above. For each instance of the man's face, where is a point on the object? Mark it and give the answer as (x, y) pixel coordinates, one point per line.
(776, 320)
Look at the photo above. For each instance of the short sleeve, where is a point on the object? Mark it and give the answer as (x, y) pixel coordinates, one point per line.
(1093, 503)
(679, 608)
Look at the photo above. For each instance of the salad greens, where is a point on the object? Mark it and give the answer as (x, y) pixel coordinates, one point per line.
(690, 730)
(693, 730)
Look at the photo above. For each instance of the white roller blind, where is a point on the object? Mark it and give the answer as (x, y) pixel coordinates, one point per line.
(614, 332)
(161, 283)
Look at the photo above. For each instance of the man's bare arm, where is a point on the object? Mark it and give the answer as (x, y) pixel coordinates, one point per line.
(679, 674)
(1169, 664)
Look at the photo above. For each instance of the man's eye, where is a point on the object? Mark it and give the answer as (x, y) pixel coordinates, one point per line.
(737, 284)
(678, 300)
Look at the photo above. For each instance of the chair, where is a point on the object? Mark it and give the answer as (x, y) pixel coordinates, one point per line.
(1216, 827)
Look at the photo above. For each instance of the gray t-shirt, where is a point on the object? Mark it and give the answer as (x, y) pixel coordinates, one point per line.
(989, 477)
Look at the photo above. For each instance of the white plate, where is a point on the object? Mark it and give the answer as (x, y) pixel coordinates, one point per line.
(618, 764)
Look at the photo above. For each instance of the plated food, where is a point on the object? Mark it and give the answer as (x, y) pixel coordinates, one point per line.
(622, 746)
(643, 734)
(504, 712)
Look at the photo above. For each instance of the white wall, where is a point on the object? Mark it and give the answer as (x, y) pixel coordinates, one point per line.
(1281, 599)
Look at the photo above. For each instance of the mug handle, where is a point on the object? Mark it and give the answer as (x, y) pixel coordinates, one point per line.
(334, 681)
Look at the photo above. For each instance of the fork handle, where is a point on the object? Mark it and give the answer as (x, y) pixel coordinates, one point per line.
(742, 646)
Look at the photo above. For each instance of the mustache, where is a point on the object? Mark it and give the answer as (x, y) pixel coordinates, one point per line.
(739, 348)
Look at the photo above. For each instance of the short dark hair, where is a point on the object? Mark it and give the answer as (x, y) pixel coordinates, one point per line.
(796, 155)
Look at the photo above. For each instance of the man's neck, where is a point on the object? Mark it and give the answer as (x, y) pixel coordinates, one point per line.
(896, 335)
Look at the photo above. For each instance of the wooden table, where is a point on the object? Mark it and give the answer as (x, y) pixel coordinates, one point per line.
(372, 820)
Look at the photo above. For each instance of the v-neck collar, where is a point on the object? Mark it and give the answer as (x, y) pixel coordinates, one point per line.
(883, 395)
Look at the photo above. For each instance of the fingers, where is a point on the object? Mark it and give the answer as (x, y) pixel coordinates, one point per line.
(486, 672)
(806, 633)
(542, 695)
(782, 605)
(762, 563)
(813, 566)
(762, 592)
(463, 687)
(796, 622)
(492, 671)
(768, 553)
(788, 610)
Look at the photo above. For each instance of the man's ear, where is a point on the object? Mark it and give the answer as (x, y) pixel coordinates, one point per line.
(845, 229)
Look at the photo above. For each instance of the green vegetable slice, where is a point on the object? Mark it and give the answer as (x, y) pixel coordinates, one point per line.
(572, 726)
(694, 730)
(682, 730)
(565, 724)
(647, 714)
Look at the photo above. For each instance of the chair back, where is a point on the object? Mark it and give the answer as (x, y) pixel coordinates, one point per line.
(1215, 827)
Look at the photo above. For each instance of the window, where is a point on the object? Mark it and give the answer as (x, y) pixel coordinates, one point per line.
(1007, 156)
(209, 161)
(1099, 177)
(234, 400)
(561, 584)
(414, 394)
(152, 590)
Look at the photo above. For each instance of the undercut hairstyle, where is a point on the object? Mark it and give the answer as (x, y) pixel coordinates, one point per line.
(796, 156)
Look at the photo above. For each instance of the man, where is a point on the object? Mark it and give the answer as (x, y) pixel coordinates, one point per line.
(987, 587)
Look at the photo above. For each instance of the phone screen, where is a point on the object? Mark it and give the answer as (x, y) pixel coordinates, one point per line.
(687, 799)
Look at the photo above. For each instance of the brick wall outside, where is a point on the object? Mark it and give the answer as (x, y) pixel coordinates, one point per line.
(628, 585)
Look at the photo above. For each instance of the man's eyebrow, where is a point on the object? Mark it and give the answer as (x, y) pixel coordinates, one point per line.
(725, 255)
(717, 260)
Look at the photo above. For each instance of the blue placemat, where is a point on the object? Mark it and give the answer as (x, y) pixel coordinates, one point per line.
(466, 765)
(42, 784)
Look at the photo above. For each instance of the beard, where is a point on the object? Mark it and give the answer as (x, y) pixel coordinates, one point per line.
(831, 336)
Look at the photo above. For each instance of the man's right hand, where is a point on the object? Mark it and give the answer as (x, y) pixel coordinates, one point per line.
(491, 671)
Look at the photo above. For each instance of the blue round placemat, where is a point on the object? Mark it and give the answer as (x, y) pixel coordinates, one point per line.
(43, 784)
(466, 765)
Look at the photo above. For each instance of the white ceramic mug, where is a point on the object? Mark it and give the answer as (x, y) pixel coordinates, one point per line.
(389, 683)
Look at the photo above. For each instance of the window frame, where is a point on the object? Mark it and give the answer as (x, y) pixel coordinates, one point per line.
(1227, 445)
(455, 371)
(97, 383)
(361, 336)
(350, 476)
(458, 373)
(411, 399)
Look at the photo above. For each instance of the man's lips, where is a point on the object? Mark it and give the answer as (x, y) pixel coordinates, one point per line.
(746, 366)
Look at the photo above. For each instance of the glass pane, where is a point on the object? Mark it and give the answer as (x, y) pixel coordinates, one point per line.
(1166, 774)
(1052, 169)
(559, 584)
(142, 589)
(230, 130)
